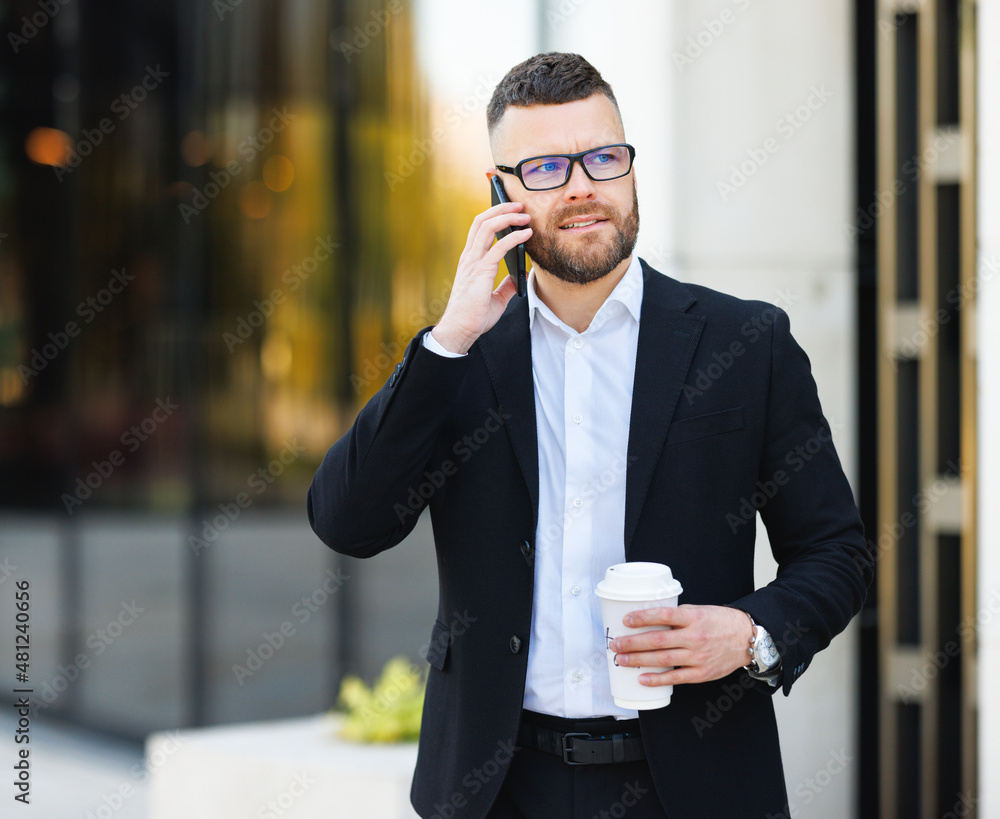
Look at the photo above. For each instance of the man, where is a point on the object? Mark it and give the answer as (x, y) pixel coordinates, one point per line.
(613, 414)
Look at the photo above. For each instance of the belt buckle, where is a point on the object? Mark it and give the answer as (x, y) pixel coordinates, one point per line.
(567, 748)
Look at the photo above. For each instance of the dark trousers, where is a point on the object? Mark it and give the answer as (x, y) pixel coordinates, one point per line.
(540, 785)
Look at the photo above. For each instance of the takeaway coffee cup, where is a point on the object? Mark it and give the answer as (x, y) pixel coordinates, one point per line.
(629, 587)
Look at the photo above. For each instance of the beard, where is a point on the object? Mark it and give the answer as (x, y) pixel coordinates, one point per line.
(595, 258)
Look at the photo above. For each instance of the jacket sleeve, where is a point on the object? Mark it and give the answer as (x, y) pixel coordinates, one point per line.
(363, 497)
(806, 503)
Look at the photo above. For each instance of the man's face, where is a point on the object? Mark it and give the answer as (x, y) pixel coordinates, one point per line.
(585, 229)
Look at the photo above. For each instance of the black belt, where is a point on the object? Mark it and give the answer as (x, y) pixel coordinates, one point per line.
(582, 748)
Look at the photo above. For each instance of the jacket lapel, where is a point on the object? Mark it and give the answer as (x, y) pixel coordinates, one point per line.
(506, 349)
(668, 336)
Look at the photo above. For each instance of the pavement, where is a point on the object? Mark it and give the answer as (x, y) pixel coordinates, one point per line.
(75, 774)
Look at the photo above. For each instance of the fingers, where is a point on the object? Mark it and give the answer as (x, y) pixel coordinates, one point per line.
(495, 253)
(699, 643)
(505, 291)
(488, 219)
(662, 616)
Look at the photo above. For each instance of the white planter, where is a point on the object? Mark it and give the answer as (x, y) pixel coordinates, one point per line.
(294, 769)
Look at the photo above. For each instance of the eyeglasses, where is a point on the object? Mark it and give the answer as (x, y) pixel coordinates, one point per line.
(543, 173)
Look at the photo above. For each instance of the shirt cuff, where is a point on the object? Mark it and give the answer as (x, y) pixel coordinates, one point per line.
(432, 344)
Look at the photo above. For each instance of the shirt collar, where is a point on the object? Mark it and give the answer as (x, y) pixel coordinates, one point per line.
(627, 295)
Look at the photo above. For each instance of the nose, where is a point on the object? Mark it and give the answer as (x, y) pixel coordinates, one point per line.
(580, 186)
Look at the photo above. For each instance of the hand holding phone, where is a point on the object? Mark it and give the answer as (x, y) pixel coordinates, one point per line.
(513, 258)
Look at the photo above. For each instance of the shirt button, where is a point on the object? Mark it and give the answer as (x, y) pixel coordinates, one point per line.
(515, 644)
(578, 502)
(578, 343)
(575, 591)
(577, 419)
(577, 676)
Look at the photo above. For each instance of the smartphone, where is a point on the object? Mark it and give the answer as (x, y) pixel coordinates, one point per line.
(513, 258)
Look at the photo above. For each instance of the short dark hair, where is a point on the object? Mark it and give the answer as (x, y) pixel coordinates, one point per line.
(546, 79)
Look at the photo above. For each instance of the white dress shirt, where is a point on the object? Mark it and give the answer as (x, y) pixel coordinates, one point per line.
(583, 399)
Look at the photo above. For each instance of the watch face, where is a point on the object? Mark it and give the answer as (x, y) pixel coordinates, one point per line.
(766, 651)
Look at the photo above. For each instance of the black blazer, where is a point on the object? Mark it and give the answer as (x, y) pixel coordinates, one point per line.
(725, 422)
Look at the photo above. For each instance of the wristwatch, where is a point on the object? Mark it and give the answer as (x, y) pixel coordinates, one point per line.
(764, 657)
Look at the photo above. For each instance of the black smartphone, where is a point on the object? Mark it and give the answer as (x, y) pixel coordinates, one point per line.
(514, 258)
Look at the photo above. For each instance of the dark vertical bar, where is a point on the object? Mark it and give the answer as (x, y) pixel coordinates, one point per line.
(866, 117)
(948, 33)
(68, 57)
(907, 158)
(948, 663)
(345, 654)
(189, 275)
(908, 752)
(908, 478)
(947, 326)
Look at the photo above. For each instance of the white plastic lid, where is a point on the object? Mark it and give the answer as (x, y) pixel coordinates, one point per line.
(638, 581)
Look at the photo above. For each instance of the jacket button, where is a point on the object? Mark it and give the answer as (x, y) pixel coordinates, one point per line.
(527, 552)
(515, 644)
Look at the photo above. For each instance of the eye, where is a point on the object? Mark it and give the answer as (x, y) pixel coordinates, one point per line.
(546, 166)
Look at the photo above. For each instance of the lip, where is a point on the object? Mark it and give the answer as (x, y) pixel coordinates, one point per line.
(596, 222)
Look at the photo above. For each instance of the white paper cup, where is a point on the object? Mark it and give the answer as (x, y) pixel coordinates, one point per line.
(629, 587)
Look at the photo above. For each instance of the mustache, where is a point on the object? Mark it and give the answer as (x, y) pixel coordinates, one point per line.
(603, 211)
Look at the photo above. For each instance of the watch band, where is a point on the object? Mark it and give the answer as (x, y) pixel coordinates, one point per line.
(759, 634)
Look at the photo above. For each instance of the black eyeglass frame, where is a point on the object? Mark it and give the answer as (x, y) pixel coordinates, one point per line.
(573, 159)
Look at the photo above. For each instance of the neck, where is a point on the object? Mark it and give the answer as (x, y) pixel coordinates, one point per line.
(577, 304)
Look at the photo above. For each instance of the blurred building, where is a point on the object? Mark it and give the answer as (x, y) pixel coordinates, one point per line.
(220, 223)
